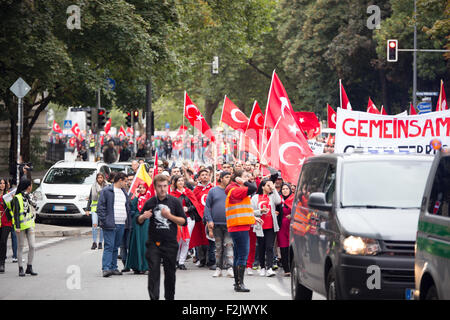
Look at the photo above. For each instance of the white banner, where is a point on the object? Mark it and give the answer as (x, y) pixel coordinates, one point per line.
(316, 147)
(404, 133)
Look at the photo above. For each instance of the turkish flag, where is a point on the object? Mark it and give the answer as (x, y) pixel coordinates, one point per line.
(371, 108)
(56, 128)
(195, 117)
(130, 130)
(331, 117)
(249, 145)
(277, 102)
(233, 116)
(287, 148)
(182, 130)
(442, 101)
(412, 110)
(345, 103)
(108, 126)
(383, 111)
(255, 128)
(122, 132)
(307, 120)
(76, 130)
(72, 142)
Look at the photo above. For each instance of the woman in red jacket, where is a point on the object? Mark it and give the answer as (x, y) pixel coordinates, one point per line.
(240, 218)
(191, 207)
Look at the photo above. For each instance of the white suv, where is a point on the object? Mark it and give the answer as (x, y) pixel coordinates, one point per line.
(64, 191)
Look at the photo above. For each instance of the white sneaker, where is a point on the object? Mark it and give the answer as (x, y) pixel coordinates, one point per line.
(230, 273)
(217, 273)
(249, 271)
(270, 273)
(262, 273)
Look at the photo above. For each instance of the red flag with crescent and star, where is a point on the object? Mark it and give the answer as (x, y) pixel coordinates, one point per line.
(345, 103)
(287, 148)
(56, 128)
(371, 107)
(255, 129)
(107, 126)
(76, 130)
(196, 119)
(331, 117)
(233, 116)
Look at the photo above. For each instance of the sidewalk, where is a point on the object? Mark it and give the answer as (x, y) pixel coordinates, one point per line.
(46, 230)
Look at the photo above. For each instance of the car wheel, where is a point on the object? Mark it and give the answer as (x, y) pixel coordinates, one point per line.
(432, 293)
(332, 292)
(298, 291)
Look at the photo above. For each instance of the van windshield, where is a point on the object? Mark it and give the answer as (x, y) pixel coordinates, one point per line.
(384, 184)
(70, 176)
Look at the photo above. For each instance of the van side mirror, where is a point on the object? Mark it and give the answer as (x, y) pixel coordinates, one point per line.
(37, 181)
(317, 201)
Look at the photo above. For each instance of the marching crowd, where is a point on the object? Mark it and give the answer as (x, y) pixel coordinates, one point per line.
(235, 223)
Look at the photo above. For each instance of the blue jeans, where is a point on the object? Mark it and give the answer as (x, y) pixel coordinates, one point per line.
(95, 230)
(241, 247)
(113, 239)
(14, 244)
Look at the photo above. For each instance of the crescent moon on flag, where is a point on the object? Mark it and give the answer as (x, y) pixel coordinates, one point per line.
(284, 104)
(233, 115)
(204, 199)
(259, 115)
(283, 149)
(333, 118)
(187, 110)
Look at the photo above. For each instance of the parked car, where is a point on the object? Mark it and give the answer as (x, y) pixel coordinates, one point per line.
(64, 190)
(432, 264)
(353, 225)
(124, 167)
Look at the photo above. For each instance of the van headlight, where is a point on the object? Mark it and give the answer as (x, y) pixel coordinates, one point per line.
(83, 197)
(361, 246)
(38, 195)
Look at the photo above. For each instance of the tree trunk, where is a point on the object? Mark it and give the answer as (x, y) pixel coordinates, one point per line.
(210, 107)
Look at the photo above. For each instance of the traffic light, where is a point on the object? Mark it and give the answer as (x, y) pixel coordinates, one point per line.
(135, 116)
(215, 65)
(101, 117)
(89, 118)
(392, 50)
(128, 118)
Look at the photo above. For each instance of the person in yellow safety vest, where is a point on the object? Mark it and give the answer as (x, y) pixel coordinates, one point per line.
(6, 222)
(100, 183)
(240, 217)
(23, 207)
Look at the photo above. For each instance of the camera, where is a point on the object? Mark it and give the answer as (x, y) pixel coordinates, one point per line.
(26, 164)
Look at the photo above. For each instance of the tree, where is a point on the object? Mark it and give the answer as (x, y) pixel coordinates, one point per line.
(69, 66)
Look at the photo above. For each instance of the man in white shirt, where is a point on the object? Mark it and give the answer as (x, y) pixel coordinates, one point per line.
(113, 211)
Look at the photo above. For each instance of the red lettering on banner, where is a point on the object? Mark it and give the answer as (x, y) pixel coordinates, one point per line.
(360, 133)
(413, 123)
(385, 134)
(403, 127)
(428, 126)
(395, 128)
(353, 130)
(442, 122)
(377, 124)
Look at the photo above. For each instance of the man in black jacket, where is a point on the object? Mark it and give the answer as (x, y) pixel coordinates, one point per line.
(166, 214)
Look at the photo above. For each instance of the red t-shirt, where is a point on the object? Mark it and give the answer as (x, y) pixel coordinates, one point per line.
(5, 221)
(264, 202)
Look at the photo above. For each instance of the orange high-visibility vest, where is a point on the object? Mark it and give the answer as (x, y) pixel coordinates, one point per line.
(239, 214)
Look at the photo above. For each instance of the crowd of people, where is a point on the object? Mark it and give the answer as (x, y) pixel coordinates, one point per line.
(192, 214)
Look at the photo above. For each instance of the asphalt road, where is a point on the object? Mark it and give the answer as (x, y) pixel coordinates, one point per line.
(69, 270)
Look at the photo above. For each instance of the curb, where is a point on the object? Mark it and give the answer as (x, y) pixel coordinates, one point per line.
(62, 233)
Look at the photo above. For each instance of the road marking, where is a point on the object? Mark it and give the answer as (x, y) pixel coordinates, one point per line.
(278, 290)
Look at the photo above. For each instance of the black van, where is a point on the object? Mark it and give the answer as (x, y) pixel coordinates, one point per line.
(353, 225)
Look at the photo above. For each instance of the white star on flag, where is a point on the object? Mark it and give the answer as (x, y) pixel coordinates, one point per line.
(293, 128)
(301, 160)
(302, 120)
(199, 117)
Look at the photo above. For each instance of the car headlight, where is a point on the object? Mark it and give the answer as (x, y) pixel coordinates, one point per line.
(38, 195)
(361, 246)
(83, 197)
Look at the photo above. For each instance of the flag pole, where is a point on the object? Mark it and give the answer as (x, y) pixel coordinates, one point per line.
(184, 115)
(340, 92)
